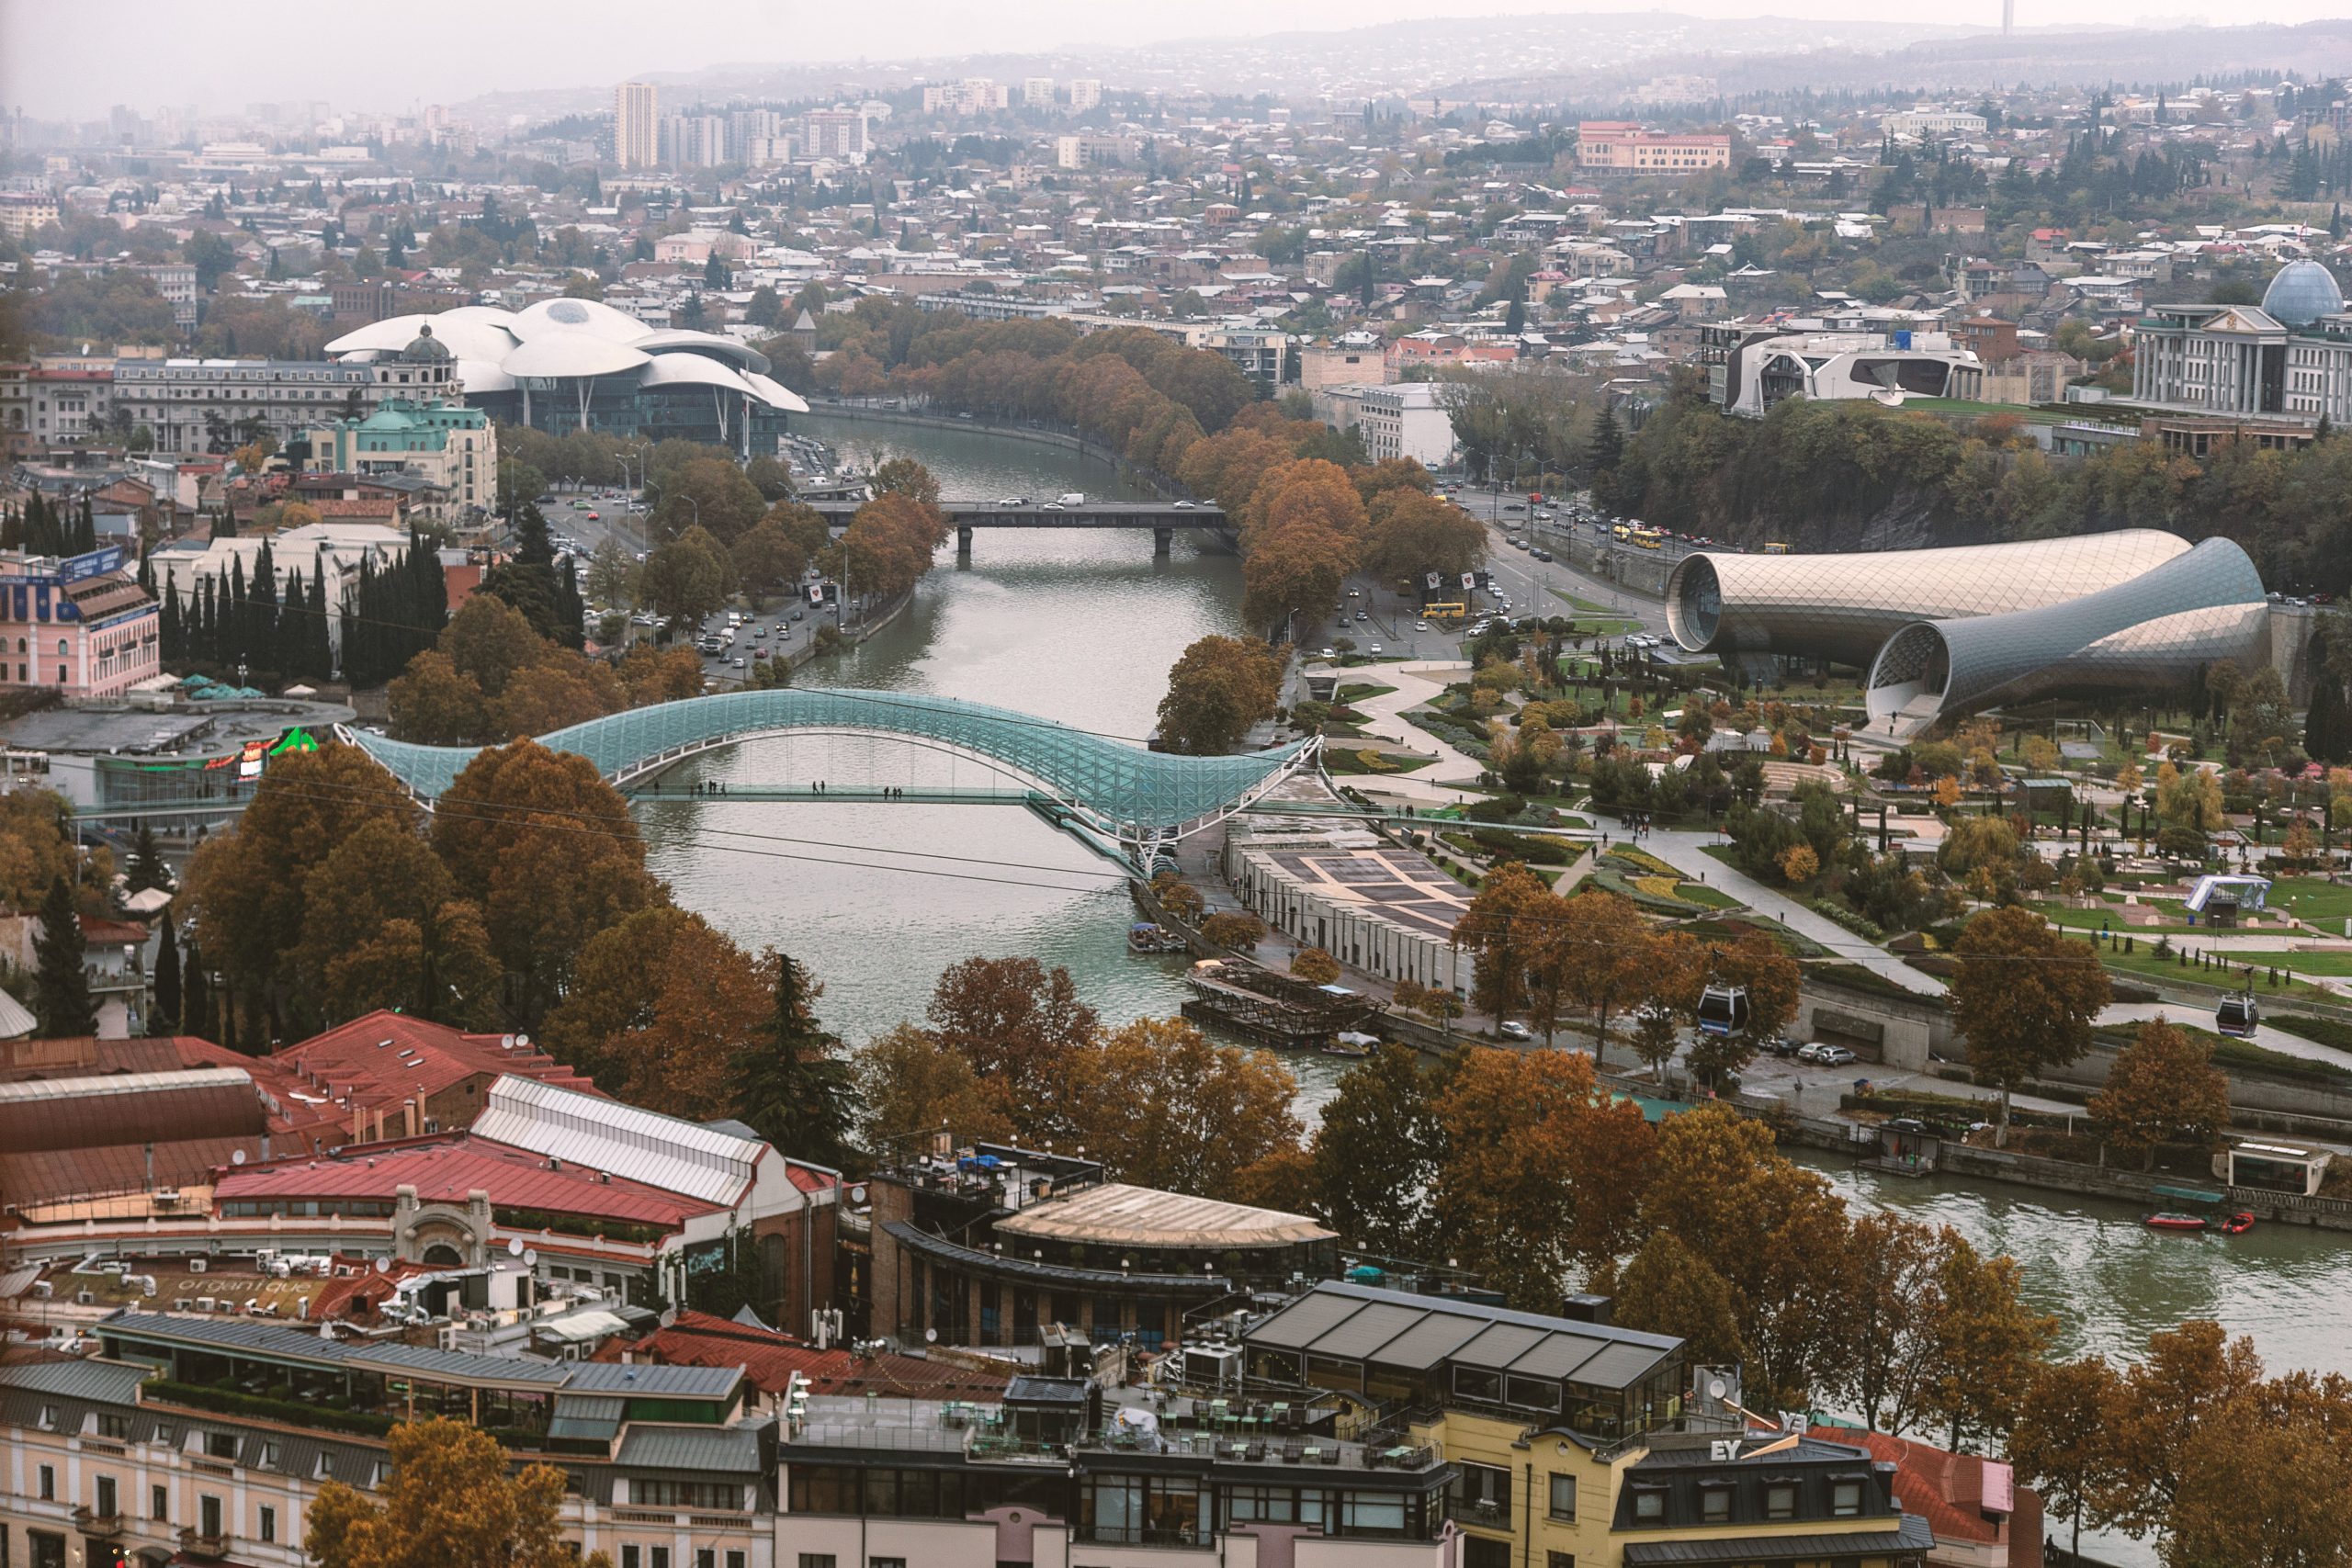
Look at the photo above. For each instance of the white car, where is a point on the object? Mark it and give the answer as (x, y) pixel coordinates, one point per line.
(1374, 650)
(1420, 625)
(1511, 1029)
(1329, 653)
(1015, 501)
(1186, 505)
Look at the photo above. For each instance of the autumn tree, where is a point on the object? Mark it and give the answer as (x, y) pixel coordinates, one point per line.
(37, 847)
(1668, 1289)
(769, 557)
(2064, 1443)
(1596, 954)
(1986, 1342)
(1376, 1151)
(2195, 1380)
(1162, 1105)
(1508, 929)
(1016, 1021)
(1314, 966)
(2023, 997)
(1542, 1169)
(648, 675)
(1218, 688)
(887, 545)
(1889, 1306)
(1235, 929)
(1770, 1229)
(657, 1004)
(790, 1081)
(1673, 971)
(2162, 1087)
(432, 703)
(452, 1501)
(708, 493)
(688, 577)
(912, 1082)
(551, 855)
(383, 927)
(1412, 533)
(489, 641)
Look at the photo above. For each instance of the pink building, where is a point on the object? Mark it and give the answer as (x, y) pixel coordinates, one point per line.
(82, 626)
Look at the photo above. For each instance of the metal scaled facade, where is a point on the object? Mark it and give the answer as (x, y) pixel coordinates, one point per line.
(1120, 790)
(2156, 630)
(1845, 607)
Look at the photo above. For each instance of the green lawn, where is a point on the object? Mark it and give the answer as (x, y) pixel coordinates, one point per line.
(1361, 690)
(2309, 898)
(2328, 963)
(1700, 893)
(2146, 965)
(2111, 915)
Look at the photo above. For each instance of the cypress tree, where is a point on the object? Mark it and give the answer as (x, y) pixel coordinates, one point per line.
(61, 984)
(261, 612)
(165, 1018)
(146, 869)
(196, 997)
(317, 648)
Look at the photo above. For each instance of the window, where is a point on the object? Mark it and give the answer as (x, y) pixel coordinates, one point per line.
(886, 1563)
(49, 1483)
(1845, 1499)
(1564, 1496)
(220, 1445)
(49, 1412)
(1780, 1500)
(269, 1454)
(159, 1503)
(268, 1523)
(1714, 1503)
(632, 1555)
(734, 1560)
(1650, 1507)
(813, 1559)
(107, 1499)
(1482, 1494)
(1261, 1504)
(705, 1557)
(1559, 1560)
(208, 1514)
(660, 1555)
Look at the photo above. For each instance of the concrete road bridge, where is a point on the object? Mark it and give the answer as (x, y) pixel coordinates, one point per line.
(1115, 794)
(1161, 517)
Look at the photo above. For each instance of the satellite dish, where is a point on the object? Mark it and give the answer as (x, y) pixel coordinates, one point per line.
(1716, 1388)
(531, 1257)
(521, 1041)
(236, 1156)
(383, 1266)
(857, 1193)
(931, 1336)
(514, 1247)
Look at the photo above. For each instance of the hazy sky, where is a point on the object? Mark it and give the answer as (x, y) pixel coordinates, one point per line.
(62, 58)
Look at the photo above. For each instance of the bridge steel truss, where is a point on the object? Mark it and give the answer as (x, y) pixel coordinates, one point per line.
(1119, 790)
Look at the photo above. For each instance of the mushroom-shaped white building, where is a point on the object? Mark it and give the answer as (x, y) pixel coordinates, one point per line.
(566, 365)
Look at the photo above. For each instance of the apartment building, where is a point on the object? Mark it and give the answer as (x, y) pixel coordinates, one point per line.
(1406, 418)
(450, 447)
(24, 212)
(1085, 94)
(198, 405)
(1617, 146)
(637, 114)
(839, 134)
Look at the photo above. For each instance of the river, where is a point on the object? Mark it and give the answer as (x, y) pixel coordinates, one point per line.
(1081, 626)
(876, 899)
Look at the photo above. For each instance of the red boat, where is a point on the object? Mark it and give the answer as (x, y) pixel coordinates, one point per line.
(2238, 1223)
(2172, 1222)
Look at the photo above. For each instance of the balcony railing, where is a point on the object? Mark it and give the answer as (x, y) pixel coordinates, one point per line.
(90, 1522)
(193, 1538)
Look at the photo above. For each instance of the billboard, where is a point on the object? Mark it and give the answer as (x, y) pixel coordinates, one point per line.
(94, 563)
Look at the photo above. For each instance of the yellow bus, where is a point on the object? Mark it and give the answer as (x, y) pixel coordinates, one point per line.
(1448, 611)
(1649, 538)
(1774, 547)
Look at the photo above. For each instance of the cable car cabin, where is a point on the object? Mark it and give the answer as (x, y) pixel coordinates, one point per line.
(2238, 1016)
(1722, 1010)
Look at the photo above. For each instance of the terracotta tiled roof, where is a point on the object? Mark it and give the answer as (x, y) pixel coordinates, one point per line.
(445, 1170)
(387, 1057)
(1948, 1490)
(769, 1359)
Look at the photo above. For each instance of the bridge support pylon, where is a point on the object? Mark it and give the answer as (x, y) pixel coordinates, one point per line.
(964, 542)
(1161, 538)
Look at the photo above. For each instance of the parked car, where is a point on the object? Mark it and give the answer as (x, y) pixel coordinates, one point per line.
(1511, 1029)
(1783, 1046)
(1834, 1057)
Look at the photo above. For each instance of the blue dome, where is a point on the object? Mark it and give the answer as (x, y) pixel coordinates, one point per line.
(2301, 293)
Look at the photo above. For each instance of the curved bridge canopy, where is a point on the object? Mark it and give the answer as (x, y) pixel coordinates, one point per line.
(1120, 790)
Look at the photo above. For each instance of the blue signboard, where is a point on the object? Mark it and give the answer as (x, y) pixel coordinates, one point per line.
(94, 563)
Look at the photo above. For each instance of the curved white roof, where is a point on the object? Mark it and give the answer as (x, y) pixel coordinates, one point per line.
(576, 318)
(692, 370)
(472, 331)
(482, 375)
(573, 353)
(741, 355)
(775, 394)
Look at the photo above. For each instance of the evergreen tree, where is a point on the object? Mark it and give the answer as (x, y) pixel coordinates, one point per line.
(146, 869)
(61, 983)
(196, 997)
(164, 1019)
(794, 1088)
(1607, 448)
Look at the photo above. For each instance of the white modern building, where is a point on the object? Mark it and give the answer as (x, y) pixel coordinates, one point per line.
(1767, 366)
(1406, 419)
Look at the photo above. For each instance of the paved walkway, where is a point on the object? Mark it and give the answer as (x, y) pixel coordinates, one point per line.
(1686, 852)
(1415, 684)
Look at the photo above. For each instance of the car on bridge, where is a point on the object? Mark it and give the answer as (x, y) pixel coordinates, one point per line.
(1186, 505)
(1015, 501)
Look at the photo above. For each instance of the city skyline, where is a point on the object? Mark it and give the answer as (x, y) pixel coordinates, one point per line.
(53, 66)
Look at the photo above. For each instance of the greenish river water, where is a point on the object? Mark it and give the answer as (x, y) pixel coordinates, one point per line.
(1081, 627)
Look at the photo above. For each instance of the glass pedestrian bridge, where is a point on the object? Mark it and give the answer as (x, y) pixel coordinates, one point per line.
(1115, 789)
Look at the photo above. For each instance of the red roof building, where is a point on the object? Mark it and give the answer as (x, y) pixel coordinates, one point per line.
(1981, 1517)
(769, 1359)
(446, 1170)
(393, 1076)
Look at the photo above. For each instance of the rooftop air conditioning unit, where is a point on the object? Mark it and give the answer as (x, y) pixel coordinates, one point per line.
(198, 1264)
(42, 1290)
(205, 1304)
(85, 1298)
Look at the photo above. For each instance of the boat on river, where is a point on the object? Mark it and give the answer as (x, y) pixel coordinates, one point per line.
(2168, 1220)
(1146, 937)
(2238, 1223)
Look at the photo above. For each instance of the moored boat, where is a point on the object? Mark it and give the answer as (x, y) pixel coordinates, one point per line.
(2238, 1223)
(1145, 937)
(2168, 1221)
